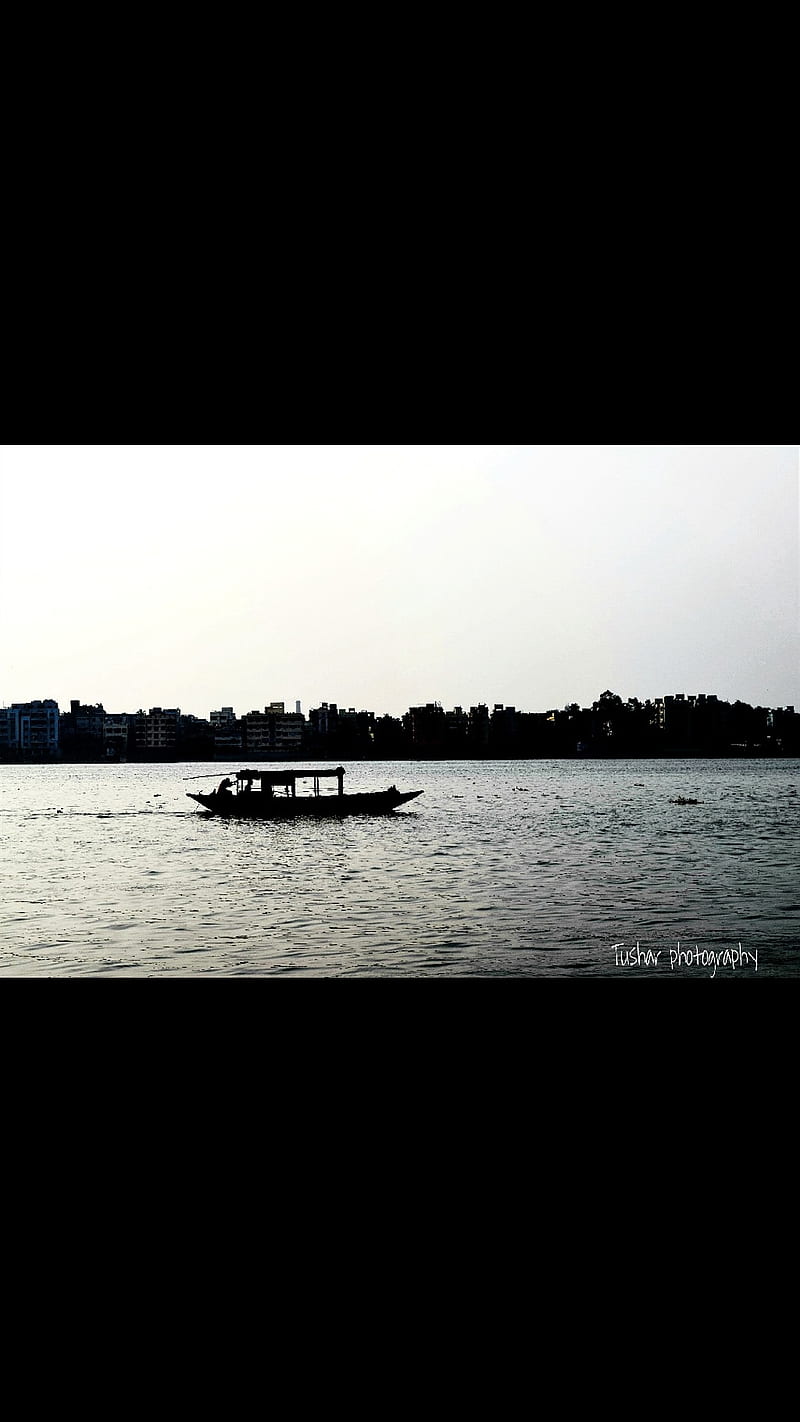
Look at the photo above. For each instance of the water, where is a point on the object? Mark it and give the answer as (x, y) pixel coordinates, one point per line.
(512, 868)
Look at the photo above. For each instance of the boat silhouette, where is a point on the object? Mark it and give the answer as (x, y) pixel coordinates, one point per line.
(255, 795)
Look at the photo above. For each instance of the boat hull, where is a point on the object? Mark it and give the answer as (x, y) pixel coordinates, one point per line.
(258, 806)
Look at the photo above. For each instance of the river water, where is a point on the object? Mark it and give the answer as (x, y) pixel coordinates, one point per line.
(500, 869)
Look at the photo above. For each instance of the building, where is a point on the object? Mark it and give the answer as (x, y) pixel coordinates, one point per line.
(503, 729)
(81, 732)
(115, 736)
(478, 728)
(289, 732)
(88, 720)
(227, 732)
(30, 728)
(156, 730)
(9, 728)
(273, 731)
(324, 721)
(425, 728)
(228, 742)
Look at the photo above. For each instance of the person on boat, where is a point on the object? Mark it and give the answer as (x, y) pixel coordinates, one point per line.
(225, 787)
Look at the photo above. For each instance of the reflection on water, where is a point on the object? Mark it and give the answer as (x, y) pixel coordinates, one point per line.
(534, 868)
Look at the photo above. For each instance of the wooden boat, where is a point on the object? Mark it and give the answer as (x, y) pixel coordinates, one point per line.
(252, 796)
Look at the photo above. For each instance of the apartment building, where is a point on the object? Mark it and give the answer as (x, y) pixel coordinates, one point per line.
(116, 729)
(273, 731)
(30, 727)
(156, 730)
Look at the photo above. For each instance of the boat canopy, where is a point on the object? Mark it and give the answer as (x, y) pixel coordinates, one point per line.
(288, 778)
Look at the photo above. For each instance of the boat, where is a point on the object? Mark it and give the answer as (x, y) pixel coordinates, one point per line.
(256, 795)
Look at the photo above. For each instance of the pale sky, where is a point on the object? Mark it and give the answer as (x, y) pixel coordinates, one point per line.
(385, 576)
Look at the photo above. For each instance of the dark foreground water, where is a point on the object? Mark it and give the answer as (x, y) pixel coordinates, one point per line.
(513, 868)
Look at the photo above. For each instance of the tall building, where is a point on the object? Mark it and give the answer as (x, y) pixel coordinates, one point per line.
(9, 728)
(426, 728)
(324, 720)
(116, 730)
(156, 730)
(30, 727)
(273, 731)
(478, 727)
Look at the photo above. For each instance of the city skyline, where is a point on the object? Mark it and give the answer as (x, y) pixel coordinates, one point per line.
(293, 708)
(696, 724)
(197, 576)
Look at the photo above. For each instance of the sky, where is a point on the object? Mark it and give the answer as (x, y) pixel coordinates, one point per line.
(385, 576)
